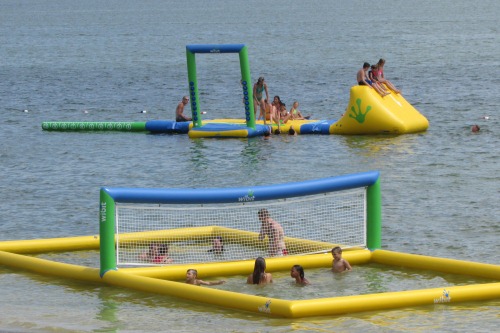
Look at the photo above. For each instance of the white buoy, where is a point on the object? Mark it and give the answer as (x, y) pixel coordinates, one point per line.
(25, 111)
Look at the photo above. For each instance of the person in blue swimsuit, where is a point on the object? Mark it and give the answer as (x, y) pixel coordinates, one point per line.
(258, 89)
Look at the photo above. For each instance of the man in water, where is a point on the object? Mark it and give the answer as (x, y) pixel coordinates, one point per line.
(179, 112)
(274, 232)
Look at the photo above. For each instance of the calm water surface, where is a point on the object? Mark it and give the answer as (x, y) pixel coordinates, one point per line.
(114, 59)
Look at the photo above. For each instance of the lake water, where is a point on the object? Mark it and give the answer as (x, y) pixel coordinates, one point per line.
(114, 59)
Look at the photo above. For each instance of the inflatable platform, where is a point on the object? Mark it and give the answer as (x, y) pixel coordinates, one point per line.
(366, 113)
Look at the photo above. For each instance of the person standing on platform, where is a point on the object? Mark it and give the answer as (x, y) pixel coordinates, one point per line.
(258, 95)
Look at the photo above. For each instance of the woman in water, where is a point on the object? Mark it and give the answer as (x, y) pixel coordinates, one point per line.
(259, 275)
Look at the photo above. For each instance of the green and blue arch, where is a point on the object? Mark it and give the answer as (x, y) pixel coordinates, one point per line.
(246, 79)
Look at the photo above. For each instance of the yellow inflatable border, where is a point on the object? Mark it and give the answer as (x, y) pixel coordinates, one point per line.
(156, 279)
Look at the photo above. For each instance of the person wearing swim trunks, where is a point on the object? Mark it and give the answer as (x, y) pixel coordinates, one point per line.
(258, 89)
(361, 75)
(179, 112)
(274, 231)
(364, 81)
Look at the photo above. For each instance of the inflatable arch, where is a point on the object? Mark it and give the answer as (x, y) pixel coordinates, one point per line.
(246, 79)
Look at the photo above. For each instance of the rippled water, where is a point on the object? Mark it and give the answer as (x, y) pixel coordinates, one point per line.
(114, 59)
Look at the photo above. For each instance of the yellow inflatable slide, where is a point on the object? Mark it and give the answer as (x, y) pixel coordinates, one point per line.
(370, 113)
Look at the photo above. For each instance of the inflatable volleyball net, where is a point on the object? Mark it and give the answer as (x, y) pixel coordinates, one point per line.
(182, 226)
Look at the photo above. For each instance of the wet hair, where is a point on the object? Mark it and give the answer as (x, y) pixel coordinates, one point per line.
(163, 249)
(260, 80)
(194, 271)
(259, 270)
(277, 131)
(366, 65)
(299, 269)
(221, 249)
(152, 248)
(475, 128)
(291, 131)
(336, 249)
(263, 212)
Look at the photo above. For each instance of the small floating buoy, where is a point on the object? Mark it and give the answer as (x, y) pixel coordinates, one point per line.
(203, 112)
(25, 111)
(85, 111)
(485, 117)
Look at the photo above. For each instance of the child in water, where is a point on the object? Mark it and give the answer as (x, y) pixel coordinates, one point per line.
(339, 264)
(217, 246)
(259, 275)
(157, 254)
(297, 272)
(192, 278)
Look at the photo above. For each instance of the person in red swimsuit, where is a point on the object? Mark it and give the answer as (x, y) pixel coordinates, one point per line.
(381, 78)
(373, 76)
(157, 254)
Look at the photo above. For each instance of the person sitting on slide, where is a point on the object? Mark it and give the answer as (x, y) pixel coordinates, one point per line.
(364, 81)
(381, 78)
(373, 78)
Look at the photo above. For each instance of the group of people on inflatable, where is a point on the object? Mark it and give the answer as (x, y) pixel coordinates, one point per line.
(375, 78)
(276, 111)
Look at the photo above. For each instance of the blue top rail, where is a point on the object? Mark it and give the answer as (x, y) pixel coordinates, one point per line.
(215, 48)
(241, 194)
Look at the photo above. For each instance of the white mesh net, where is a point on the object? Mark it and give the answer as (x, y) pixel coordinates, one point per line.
(196, 233)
